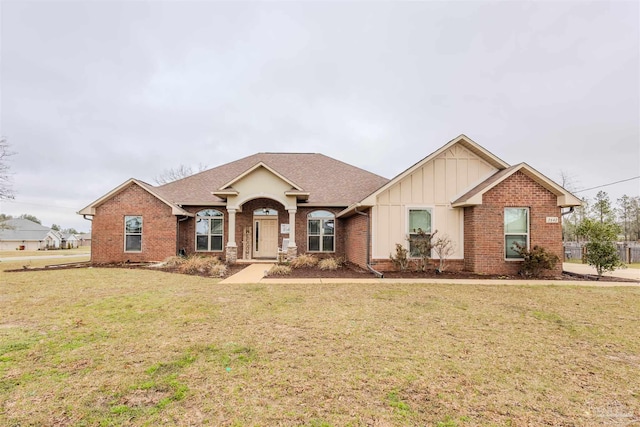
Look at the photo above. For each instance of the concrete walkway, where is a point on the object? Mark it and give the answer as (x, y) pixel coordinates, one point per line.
(255, 274)
(625, 273)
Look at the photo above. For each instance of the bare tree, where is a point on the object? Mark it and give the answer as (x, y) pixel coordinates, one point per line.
(182, 171)
(6, 186)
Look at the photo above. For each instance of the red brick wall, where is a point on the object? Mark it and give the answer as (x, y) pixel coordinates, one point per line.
(355, 229)
(158, 228)
(484, 225)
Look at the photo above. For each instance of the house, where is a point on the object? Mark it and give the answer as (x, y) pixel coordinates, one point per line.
(23, 234)
(296, 203)
(84, 239)
(70, 241)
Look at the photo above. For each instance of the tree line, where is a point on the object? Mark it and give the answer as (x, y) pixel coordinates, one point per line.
(625, 215)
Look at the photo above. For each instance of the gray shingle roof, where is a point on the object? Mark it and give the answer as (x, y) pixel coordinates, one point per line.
(329, 181)
(23, 229)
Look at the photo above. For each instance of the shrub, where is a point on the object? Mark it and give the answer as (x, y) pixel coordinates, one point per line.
(443, 247)
(304, 260)
(329, 264)
(536, 260)
(218, 270)
(279, 270)
(400, 260)
(601, 249)
(422, 245)
(174, 261)
(198, 265)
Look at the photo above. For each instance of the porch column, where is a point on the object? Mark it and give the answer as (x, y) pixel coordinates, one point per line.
(292, 249)
(232, 248)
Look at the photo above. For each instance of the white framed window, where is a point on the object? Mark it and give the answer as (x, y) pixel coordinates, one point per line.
(516, 231)
(321, 234)
(209, 230)
(419, 225)
(133, 233)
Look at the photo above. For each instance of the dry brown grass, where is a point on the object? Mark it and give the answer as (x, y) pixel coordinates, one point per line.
(304, 260)
(138, 347)
(279, 270)
(329, 264)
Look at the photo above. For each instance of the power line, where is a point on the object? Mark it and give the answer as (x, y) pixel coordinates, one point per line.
(606, 185)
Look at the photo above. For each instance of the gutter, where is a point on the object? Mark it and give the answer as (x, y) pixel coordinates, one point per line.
(371, 269)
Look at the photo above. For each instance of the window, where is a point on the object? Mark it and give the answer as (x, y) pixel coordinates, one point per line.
(209, 230)
(516, 231)
(133, 233)
(419, 228)
(321, 231)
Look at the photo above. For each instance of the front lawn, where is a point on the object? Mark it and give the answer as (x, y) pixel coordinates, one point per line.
(113, 346)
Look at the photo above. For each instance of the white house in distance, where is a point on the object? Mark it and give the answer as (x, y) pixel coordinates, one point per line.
(23, 234)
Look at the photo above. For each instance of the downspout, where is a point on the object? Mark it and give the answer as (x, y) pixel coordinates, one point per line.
(178, 234)
(570, 211)
(371, 269)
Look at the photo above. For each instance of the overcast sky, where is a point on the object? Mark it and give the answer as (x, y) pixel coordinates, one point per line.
(96, 92)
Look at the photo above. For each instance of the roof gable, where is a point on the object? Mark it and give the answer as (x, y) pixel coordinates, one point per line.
(461, 140)
(252, 170)
(91, 208)
(474, 196)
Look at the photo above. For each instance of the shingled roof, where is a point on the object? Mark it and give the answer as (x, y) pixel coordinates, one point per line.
(330, 182)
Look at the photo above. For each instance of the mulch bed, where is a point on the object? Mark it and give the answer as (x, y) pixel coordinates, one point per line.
(350, 271)
(347, 271)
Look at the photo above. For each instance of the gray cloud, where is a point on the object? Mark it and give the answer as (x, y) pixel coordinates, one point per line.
(94, 93)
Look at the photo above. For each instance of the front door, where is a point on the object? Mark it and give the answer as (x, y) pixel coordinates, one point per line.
(265, 237)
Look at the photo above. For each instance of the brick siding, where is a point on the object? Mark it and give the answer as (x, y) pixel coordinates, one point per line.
(355, 239)
(484, 225)
(158, 228)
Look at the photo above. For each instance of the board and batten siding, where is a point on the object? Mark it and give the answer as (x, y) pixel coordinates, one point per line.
(434, 184)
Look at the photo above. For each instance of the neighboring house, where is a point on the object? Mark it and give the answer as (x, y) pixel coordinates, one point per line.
(23, 234)
(250, 208)
(70, 241)
(84, 239)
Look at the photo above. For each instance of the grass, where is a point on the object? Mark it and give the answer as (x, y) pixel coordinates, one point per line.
(101, 347)
(38, 260)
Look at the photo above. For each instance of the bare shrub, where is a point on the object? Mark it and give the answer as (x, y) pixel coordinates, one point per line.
(422, 244)
(400, 260)
(174, 261)
(304, 260)
(329, 264)
(279, 270)
(218, 270)
(198, 265)
(443, 247)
